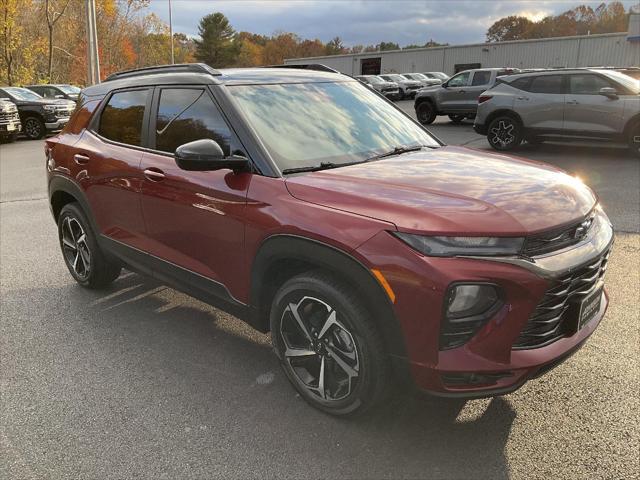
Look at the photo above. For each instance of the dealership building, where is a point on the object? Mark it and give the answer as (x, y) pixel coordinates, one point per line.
(611, 49)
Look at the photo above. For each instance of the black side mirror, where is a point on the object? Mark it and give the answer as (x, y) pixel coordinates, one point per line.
(205, 155)
(445, 84)
(609, 92)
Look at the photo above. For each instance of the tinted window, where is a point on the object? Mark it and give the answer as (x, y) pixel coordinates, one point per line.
(481, 78)
(546, 84)
(185, 115)
(587, 84)
(459, 80)
(521, 83)
(121, 118)
(48, 92)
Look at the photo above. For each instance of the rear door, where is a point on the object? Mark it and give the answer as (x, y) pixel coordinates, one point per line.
(194, 220)
(540, 103)
(106, 163)
(452, 97)
(480, 81)
(588, 112)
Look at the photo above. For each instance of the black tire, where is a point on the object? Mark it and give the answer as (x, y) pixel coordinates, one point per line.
(633, 138)
(351, 340)
(457, 118)
(34, 128)
(425, 113)
(504, 133)
(86, 262)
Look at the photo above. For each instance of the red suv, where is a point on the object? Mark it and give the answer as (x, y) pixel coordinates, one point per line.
(310, 206)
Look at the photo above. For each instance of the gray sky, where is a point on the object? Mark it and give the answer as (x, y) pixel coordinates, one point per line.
(363, 21)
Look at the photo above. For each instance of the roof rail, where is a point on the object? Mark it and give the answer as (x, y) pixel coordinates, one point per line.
(307, 66)
(177, 68)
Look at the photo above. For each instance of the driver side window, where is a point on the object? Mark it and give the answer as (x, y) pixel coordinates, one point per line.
(459, 80)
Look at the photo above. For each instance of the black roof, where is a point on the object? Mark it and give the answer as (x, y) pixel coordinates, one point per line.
(195, 74)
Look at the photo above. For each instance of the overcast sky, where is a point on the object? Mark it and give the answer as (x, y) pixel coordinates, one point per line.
(363, 21)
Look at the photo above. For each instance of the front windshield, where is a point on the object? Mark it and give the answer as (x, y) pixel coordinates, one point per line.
(69, 89)
(22, 93)
(627, 81)
(303, 125)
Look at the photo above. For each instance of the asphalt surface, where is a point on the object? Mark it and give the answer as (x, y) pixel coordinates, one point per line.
(140, 381)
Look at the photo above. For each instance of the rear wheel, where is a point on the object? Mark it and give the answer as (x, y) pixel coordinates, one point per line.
(86, 262)
(504, 133)
(633, 138)
(328, 345)
(34, 128)
(457, 118)
(426, 113)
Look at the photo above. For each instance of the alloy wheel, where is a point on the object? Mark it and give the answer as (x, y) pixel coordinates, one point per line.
(503, 134)
(32, 128)
(75, 247)
(319, 350)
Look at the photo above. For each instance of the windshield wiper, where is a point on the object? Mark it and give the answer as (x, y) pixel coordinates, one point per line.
(396, 151)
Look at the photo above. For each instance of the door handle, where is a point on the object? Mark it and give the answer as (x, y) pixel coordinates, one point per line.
(81, 159)
(572, 102)
(523, 98)
(154, 174)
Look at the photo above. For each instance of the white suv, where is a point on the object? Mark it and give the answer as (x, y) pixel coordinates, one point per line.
(590, 104)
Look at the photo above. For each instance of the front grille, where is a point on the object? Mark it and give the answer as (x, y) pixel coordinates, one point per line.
(63, 111)
(554, 316)
(557, 239)
(9, 116)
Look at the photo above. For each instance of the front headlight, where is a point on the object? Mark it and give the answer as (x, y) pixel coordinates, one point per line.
(49, 108)
(452, 246)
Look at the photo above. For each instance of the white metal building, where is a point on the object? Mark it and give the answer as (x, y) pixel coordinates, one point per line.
(611, 49)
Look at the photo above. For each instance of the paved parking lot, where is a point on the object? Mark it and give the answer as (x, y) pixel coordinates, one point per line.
(142, 381)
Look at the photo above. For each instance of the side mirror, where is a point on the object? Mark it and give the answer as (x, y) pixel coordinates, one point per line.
(206, 155)
(445, 85)
(609, 92)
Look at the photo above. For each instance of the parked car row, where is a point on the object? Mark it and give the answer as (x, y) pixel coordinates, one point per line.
(398, 86)
(511, 106)
(35, 110)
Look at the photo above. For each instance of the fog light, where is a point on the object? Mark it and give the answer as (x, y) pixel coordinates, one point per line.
(470, 300)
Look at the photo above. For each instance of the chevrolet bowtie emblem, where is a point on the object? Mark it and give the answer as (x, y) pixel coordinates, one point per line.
(583, 228)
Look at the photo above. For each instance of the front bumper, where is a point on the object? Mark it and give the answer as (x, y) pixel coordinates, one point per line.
(10, 127)
(487, 364)
(57, 124)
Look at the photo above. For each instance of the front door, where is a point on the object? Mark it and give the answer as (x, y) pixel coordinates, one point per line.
(586, 111)
(194, 220)
(452, 97)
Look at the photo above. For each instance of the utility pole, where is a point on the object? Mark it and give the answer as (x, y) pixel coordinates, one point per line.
(171, 33)
(93, 60)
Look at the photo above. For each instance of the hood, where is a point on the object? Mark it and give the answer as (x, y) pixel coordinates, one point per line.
(451, 190)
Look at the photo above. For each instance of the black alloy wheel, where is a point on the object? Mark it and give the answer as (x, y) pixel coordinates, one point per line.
(504, 133)
(34, 128)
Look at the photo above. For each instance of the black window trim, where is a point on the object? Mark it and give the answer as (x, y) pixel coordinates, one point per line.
(94, 124)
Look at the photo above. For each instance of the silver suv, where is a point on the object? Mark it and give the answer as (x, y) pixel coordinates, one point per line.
(388, 89)
(458, 96)
(408, 88)
(591, 104)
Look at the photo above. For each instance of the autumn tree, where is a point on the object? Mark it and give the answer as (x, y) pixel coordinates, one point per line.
(335, 47)
(382, 46)
(512, 27)
(216, 47)
(54, 10)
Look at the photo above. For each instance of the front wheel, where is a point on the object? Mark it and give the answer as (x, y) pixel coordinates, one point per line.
(86, 262)
(426, 113)
(328, 346)
(504, 133)
(34, 128)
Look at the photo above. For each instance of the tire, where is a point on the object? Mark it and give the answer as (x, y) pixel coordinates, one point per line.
(425, 113)
(633, 139)
(457, 118)
(34, 128)
(339, 343)
(504, 133)
(86, 262)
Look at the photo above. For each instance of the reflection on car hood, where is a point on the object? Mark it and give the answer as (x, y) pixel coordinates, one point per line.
(451, 190)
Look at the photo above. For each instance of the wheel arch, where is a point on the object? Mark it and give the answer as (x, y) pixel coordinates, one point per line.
(63, 191)
(281, 257)
(503, 112)
(635, 120)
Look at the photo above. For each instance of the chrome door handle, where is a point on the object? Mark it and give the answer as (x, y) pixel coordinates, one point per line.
(81, 159)
(523, 98)
(154, 174)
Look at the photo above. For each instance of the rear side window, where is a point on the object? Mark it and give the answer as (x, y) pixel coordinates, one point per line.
(521, 83)
(586, 84)
(185, 115)
(121, 118)
(481, 78)
(546, 84)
